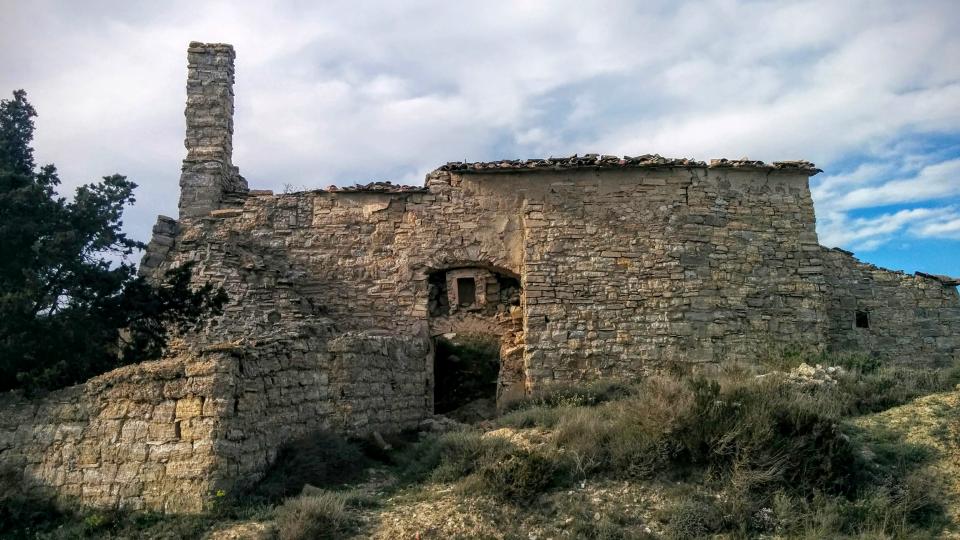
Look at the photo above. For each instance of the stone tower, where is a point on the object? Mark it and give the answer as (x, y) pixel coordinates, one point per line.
(208, 176)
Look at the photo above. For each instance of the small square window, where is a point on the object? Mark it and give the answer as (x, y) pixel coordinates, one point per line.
(466, 292)
(862, 319)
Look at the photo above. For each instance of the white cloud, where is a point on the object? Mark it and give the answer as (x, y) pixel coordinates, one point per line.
(943, 229)
(347, 92)
(867, 234)
(936, 181)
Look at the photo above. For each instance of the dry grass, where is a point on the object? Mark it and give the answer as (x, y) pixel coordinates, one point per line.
(678, 456)
(319, 515)
(752, 456)
(931, 426)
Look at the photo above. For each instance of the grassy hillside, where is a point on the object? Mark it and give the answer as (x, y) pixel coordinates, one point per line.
(785, 450)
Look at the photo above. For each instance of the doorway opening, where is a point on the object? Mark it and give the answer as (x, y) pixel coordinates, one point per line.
(466, 370)
(476, 323)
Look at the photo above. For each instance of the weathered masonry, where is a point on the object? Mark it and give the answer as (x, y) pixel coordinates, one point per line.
(581, 267)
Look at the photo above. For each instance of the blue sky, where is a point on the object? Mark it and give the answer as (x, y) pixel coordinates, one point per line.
(345, 92)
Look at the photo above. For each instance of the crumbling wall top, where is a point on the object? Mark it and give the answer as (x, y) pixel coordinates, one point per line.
(598, 161)
(946, 281)
(373, 187)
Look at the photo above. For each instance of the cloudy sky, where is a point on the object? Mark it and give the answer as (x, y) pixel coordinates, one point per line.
(346, 92)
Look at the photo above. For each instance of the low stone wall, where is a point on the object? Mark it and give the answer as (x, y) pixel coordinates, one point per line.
(165, 435)
(137, 437)
(354, 384)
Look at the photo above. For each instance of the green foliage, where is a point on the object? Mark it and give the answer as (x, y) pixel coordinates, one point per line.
(443, 458)
(320, 459)
(30, 519)
(533, 416)
(610, 523)
(22, 518)
(692, 517)
(547, 409)
(66, 311)
(518, 475)
(910, 507)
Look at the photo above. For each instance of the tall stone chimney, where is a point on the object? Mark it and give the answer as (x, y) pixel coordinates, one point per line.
(208, 176)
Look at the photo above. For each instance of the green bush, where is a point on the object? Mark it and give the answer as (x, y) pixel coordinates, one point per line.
(320, 459)
(315, 516)
(533, 416)
(748, 436)
(21, 518)
(33, 519)
(517, 475)
(692, 517)
(626, 437)
(766, 426)
(907, 507)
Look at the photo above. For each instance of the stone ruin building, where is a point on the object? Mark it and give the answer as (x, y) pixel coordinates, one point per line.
(582, 268)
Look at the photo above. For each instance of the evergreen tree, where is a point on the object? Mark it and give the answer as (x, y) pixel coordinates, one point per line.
(66, 311)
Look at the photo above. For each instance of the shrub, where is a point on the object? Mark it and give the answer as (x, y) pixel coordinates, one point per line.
(533, 416)
(767, 426)
(444, 458)
(626, 437)
(20, 517)
(33, 519)
(489, 465)
(315, 516)
(321, 459)
(859, 362)
(517, 475)
(904, 508)
(890, 386)
(692, 517)
(577, 395)
(751, 436)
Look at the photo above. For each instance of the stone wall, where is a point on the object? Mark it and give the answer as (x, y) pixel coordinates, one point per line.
(621, 270)
(165, 435)
(625, 271)
(354, 383)
(139, 437)
(905, 318)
